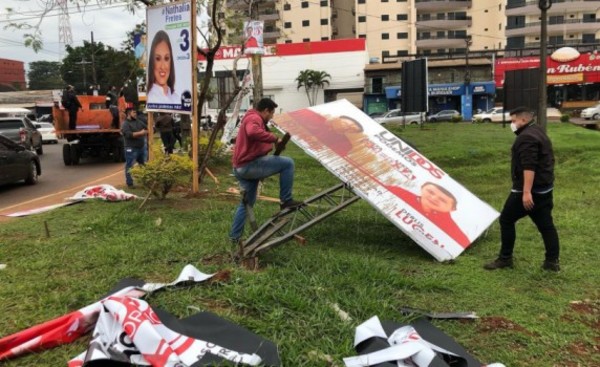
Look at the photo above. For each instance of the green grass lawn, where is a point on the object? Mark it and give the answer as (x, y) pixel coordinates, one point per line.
(355, 259)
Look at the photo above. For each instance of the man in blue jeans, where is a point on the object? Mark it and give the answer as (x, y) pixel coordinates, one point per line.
(134, 135)
(251, 163)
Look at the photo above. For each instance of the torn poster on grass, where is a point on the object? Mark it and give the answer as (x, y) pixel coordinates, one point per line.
(412, 192)
(131, 332)
(419, 344)
(104, 192)
(70, 327)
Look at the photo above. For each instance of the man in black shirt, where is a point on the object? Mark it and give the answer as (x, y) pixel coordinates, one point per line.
(532, 171)
(134, 134)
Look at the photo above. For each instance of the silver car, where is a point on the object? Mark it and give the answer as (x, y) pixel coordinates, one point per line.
(397, 117)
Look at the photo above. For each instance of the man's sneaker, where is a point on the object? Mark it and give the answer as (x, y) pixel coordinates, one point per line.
(551, 265)
(499, 263)
(290, 204)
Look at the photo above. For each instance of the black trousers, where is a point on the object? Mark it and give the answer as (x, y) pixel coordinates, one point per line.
(73, 119)
(541, 215)
(168, 141)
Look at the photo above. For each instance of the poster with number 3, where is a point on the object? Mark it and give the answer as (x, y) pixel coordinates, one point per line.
(169, 68)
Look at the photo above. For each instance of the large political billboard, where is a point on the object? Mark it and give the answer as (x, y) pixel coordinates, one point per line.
(169, 69)
(422, 200)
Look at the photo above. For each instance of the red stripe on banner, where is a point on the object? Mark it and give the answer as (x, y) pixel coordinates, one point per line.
(184, 347)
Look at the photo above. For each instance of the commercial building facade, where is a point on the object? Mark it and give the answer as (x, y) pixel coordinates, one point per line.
(12, 75)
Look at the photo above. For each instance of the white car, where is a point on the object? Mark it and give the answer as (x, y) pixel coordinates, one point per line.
(493, 115)
(591, 113)
(396, 117)
(47, 131)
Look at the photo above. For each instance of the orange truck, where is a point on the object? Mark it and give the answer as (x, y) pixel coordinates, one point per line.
(93, 136)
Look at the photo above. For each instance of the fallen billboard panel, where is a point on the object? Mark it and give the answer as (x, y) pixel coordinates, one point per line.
(412, 192)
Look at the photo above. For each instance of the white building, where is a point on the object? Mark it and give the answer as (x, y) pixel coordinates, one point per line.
(344, 60)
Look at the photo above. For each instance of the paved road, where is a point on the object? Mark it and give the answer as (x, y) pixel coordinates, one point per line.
(59, 181)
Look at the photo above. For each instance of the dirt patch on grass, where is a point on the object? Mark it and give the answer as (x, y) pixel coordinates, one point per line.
(494, 324)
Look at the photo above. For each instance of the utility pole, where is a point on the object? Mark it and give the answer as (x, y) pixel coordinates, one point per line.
(544, 5)
(467, 105)
(93, 61)
(83, 62)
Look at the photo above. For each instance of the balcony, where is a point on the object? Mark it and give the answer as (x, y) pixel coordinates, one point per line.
(558, 7)
(577, 42)
(559, 27)
(269, 15)
(434, 42)
(443, 22)
(441, 5)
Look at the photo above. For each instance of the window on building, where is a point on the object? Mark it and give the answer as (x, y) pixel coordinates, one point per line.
(402, 35)
(287, 6)
(515, 42)
(324, 38)
(556, 19)
(305, 4)
(384, 1)
(362, 18)
(306, 23)
(401, 16)
(361, 1)
(306, 40)
(377, 85)
(517, 21)
(362, 36)
(402, 53)
(287, 25)
(385, 53)
(288, 41)
(400, 1)
(589, 18)
(385, 36)
(440, 34)
(556, 40)
(385, 18)
(324, 21)
(588, 38)
(324, 3)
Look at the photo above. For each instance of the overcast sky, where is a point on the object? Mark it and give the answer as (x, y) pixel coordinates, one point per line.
(109, 24)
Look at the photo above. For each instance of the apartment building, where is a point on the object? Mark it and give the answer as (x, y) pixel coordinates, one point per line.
(390, 27)
(570, 22)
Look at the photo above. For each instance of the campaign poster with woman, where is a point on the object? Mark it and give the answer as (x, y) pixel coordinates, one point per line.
(169, 69)
(253, 38)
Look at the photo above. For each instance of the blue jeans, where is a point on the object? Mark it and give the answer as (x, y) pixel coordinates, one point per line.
(249, 176)
(132, 155)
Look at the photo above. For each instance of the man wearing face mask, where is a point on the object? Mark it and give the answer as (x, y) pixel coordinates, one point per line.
(532, 171)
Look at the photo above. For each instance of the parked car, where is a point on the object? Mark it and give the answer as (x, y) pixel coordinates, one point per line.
(397, 117)
(591, 113)
(47, 131)
(18, 163)
(22, 131)
(493, 115)
(444, 115)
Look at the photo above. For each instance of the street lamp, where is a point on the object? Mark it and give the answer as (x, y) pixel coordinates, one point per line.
(467, 105)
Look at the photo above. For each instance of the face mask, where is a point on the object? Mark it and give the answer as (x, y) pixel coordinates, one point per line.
(514, 127)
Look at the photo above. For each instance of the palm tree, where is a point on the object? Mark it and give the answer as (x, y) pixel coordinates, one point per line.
(312, 81)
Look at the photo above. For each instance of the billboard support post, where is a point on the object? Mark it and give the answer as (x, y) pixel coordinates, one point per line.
(195, 173)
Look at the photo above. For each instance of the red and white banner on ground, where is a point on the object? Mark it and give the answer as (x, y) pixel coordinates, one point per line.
(104, 192)
(414, 193)
(70, 327)
(129, 331)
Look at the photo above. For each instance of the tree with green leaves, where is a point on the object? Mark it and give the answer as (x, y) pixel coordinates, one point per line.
(44, 75)
(112, 67)
(312, 81)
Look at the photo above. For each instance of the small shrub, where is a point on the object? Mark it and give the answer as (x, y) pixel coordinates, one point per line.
(163, 172)
(458, 118)
(564, 117)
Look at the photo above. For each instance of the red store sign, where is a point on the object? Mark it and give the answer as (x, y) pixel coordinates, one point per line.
(575, 69)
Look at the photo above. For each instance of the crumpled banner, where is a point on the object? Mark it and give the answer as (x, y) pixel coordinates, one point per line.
(129, 331)
(404, 346)
(104, 192)
(66, 329)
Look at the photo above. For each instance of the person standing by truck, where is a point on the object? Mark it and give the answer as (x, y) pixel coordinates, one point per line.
(71, 104)
(134, 133)
(112, 100)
